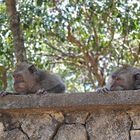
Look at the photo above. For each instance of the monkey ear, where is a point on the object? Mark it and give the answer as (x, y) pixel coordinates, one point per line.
(32, 69)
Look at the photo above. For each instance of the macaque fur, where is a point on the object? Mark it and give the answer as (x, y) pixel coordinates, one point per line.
(125, 78)
(29, 79)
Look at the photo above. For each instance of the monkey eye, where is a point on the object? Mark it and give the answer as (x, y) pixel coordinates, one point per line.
(17, 77)
(114, 76)
(118, 79)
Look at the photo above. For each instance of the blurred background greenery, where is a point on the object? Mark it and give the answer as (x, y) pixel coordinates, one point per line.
(81, 40)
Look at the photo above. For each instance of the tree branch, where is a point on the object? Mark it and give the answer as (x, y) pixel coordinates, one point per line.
(88, 58)
(51, 46)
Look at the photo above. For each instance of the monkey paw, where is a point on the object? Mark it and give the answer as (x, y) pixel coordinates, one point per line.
(41, 92)
(3, 93)
(102, 90)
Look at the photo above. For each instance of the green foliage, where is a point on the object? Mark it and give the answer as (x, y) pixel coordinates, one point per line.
(6, 49)
(107, 30)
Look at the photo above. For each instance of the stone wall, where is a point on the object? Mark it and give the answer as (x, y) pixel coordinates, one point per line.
(77, 116)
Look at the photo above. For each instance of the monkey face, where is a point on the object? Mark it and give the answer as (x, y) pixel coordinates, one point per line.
(117, 83)
(25, 78)
(19, 83)
(124, 81)
(125, 78)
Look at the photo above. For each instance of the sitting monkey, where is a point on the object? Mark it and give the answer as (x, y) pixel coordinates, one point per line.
(29, 79)
(125, 78)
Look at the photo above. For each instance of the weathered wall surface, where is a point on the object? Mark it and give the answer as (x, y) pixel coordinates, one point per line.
(37, 118)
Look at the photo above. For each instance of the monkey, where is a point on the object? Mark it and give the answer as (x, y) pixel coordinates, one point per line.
(124, 78)
(29, 79)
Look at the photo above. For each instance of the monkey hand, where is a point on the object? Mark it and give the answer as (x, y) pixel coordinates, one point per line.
(102, 90)
(41, 92)
(3, 93)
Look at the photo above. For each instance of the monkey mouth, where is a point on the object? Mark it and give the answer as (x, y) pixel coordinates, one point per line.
(20, 87)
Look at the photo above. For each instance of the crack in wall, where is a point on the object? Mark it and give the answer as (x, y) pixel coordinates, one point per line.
(10, 124)
(58, 126)
(131, 124)
(88, 116)
(88, 138)
(20, 128)
(56, 130)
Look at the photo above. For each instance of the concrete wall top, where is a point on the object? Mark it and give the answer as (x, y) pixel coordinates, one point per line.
(71, 101)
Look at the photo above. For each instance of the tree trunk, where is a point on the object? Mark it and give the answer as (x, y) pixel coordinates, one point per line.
(20, 51)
